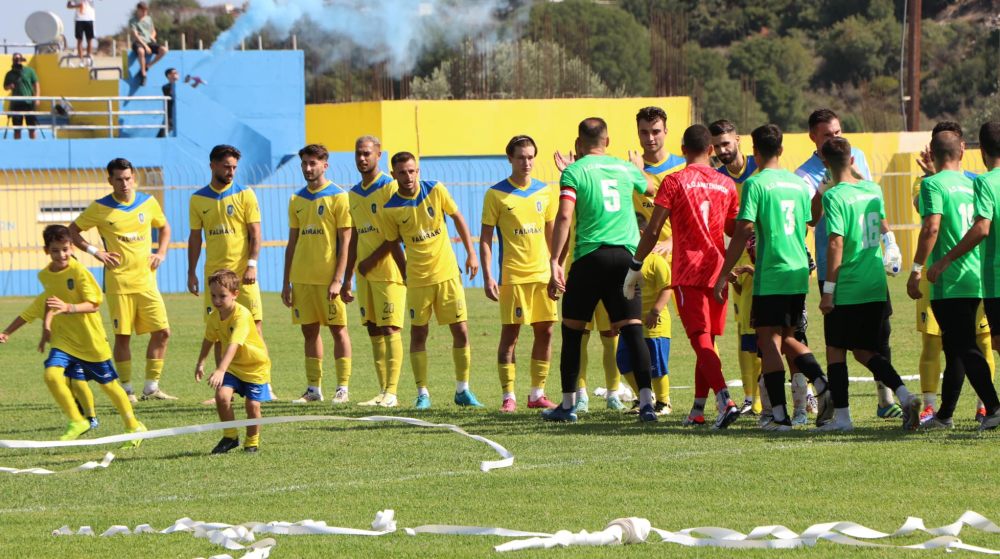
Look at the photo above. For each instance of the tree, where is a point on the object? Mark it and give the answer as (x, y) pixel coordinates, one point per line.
(780, 68)
(715, 95)
(857, 49)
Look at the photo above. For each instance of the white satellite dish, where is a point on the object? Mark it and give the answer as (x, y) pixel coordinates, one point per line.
(43, 27)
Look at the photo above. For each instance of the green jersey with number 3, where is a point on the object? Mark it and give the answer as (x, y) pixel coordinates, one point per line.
(987, 191)
(777, 202)
(855, 213)
(602, 187)
(949, 194)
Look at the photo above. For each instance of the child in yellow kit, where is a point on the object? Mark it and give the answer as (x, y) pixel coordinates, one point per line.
(244, 368)
(79, 351)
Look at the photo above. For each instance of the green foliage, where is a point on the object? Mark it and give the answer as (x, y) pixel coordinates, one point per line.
(857, 49)
(966, 71)
(715, 95)
(780, 68)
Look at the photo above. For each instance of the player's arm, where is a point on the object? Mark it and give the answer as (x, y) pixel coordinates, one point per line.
(194, 252)
(352, 258)
(653, 316)
(286, 282)
(344, 236)
(980, 230)
(471, 260)
(399, 257)
(486, 257)
(162, 246)
(736, 247)
(557, 246)
(834, 258)
(816, 208)
(383, 249)
(199, 368)
(253, 242)
(110, 259)
(14, 326)
(58, 306)
(649, 238)
(215, 381)
(925, 243)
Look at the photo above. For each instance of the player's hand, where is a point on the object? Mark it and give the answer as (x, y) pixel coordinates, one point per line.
(740, 270)
(557, 283)
(720, 288)
(4, 336)
(46, 336)
(193, 284)
(365, 266)
(826, 303)
(652, 319)
(935, 271)
(663, 248)
(563, 161)
(56, 304)
(250, 275)
(913, 286)
(635, 157)
(492, 291)
(631, 286)
(111, 260)
(926, 161)
(333, 291)
(472, 265)
(346, 294)
(199, 372)
(215, 381)
(892, 259)
(155, 260)
(286, 295)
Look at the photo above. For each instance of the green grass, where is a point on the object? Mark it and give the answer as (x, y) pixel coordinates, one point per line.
(564, 477)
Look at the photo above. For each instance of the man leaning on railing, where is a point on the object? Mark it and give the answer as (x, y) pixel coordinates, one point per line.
(22, 81)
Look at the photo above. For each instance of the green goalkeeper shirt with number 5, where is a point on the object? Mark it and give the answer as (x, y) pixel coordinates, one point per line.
(949, 194)
(602, 187)
(855, 211)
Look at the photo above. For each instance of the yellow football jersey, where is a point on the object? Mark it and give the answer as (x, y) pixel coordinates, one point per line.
(644, 204)
(366, 201)
(655, 277)
(519, 214)
(224, 215)
(251, 363)
(79, 334)
(419, 223)
(317, 216)
(126, 229)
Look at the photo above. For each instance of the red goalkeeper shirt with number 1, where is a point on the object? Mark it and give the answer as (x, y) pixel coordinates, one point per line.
(700, 201)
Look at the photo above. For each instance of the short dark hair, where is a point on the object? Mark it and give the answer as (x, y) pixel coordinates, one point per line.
(166, 72)
(119, 164)
(592, 129)
(401, 157)
(651, 114)
(226, 278)
(989, 138)
(520, 141)
(767, 140)
(318, 151)
(946, 146)
(697, 139)
(56, 233)
(222, 151)
(948, 126)
(721, 127)
(141, 6)
(821, 116)
(836, 152)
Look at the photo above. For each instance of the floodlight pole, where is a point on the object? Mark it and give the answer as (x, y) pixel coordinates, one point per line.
(913, 56)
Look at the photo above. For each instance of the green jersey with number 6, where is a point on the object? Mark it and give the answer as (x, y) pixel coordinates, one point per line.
(987, 192)
(602, 187)
(777, 202)
(949, 194)
(855, 213)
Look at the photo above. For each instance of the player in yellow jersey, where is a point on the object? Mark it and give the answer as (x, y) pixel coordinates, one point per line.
(125, 219)
(229, 215)
(740, 167)
(244, 367)
(69, 305)
(415, 215)
(380, 292)
(319, 234)
(522, 210)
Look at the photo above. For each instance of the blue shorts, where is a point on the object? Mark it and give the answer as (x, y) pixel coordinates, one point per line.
(77, 369)
(659, 357)
(249, 390)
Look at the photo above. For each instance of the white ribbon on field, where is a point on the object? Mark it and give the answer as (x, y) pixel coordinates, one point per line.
(86, 466)
(506, 457)
(620, 531)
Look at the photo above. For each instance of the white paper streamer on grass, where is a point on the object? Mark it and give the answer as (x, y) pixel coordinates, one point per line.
(86, 466)
(506, 460)
(620, 531)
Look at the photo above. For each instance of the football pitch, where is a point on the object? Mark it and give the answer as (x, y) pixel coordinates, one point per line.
(571, 477)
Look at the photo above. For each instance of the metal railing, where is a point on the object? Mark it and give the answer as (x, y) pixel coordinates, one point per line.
(56, 120)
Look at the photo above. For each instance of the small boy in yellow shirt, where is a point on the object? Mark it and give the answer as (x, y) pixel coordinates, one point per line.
(244, 368)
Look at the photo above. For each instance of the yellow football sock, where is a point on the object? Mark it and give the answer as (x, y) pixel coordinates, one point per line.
(252, 440)
(418, 360)
(314, 371)
(154, 369)
(611, 377)
(83, 396)
(986, 346)
(119, 399)
(930, 363)
(379, 357)
(231, 433)
(661, 388)
(343, 366)
(581, 381)
(750, 372)
(55, 380)
(629, 377)
(539, 373)
(462, 356)
(507, 373)
(124, 369)
(394, 361)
